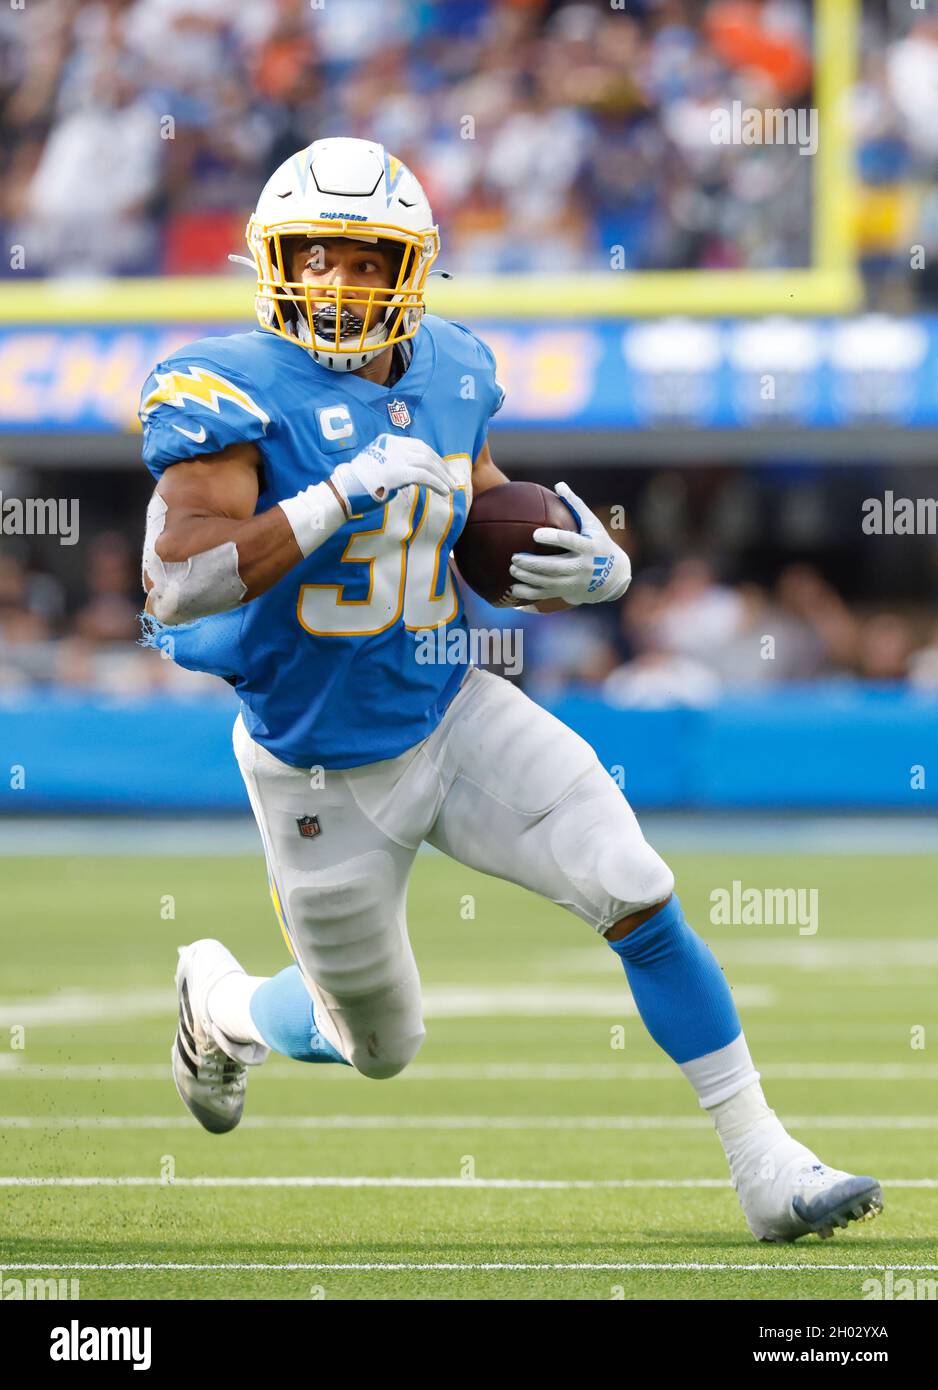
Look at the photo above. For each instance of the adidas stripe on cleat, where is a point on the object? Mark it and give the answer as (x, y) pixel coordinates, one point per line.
(210, 1080)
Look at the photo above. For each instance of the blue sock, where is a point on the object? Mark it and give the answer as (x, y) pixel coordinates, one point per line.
(283, 1011)
(678, 986)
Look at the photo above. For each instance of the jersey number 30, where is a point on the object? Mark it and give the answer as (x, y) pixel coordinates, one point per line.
(403, 568)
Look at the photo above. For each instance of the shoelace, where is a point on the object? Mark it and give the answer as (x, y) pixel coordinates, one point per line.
(816, 1176)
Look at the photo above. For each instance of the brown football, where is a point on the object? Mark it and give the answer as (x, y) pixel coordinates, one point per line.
(501, 521)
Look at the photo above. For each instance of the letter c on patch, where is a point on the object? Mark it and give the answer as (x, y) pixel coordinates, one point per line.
(335, 422)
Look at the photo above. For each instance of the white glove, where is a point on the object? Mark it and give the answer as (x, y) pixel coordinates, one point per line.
(390, 462)
(593, 570)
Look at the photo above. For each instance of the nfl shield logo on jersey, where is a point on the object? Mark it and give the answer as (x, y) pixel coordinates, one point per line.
(308, 826)
(399, 414)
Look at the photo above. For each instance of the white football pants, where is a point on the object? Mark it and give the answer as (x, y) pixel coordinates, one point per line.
(500, 785)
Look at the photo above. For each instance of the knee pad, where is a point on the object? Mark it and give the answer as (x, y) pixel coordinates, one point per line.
(633, 876)
(599, 845)
(384, 1053)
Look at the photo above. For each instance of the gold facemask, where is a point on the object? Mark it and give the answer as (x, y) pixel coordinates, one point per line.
(342, 319)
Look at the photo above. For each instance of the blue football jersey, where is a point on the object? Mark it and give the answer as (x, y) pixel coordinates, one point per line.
(330, 664)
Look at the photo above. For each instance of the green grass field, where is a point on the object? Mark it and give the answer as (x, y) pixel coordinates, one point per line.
(520, 1079)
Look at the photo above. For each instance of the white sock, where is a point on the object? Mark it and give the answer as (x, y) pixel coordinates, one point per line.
(719, 1075)
(229, 1006)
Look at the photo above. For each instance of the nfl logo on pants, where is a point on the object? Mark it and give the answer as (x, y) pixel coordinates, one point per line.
(308, 826)
(399, 414)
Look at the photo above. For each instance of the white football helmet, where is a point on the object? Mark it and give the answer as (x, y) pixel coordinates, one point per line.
(349, 188)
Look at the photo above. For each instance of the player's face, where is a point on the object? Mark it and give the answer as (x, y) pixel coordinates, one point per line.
(340, 261)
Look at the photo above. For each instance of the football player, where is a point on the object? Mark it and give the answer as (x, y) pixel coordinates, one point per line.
(313, 476)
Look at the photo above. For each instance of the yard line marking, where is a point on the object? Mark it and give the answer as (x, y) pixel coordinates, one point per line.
(12, 1070)
(442, 1265)
(306, 1180)
(83, 1006)
(551, 1001)
(78, 1006)
(458, 1122)
(900, 954)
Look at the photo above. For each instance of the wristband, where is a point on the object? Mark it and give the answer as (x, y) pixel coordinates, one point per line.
(314, 515)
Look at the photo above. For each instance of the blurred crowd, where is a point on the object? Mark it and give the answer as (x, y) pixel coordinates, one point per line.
(82, 635)
(684, 638)
(550, 135)
(553, 137)
(681, 637)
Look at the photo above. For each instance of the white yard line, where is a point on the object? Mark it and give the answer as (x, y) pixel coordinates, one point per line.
(84, 1006)
(441, 1265)
(779, 947)
(11, 1069)
(574, 1123)
(75, 1006)
(306, 1180)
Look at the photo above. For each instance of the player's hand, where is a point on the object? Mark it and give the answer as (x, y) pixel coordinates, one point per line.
(593, 569)
(388, 463)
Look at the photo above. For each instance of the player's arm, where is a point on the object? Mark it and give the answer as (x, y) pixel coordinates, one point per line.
(203, 535)
(207, 550)
(486, 472)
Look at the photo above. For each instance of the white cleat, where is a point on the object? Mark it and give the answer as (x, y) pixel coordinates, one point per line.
(787, 1192)
(210, 1069)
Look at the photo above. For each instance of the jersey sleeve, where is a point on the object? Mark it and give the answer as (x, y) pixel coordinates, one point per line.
(489, 391)
(193, 405)
(496, 389)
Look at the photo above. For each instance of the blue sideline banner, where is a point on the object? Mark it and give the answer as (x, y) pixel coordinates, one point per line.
(701, 374)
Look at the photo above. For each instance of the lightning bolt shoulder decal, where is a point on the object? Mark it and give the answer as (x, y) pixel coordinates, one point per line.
(203, 386)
